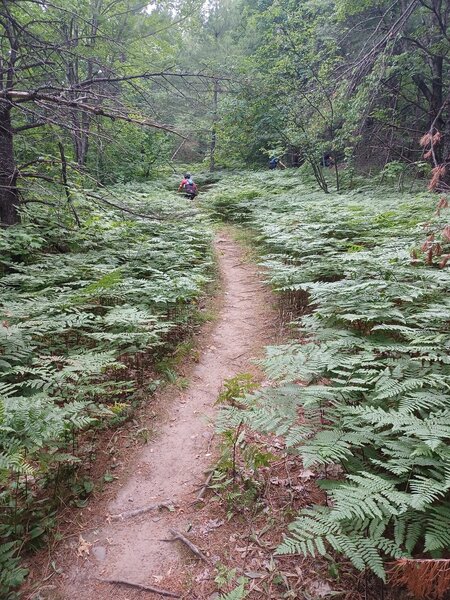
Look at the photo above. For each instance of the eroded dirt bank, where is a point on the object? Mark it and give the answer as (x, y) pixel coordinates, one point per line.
(169, 470)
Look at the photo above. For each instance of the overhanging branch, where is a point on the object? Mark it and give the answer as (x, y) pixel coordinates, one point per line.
(18, 97)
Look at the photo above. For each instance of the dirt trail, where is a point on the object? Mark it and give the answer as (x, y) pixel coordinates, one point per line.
(171, 468)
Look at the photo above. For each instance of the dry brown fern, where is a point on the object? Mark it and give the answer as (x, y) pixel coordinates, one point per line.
(425, 579)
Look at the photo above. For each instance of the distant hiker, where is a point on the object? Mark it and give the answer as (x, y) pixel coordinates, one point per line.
(188, 186)
(273, 162)
(327, 160)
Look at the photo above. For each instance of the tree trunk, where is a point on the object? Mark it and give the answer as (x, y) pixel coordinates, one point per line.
(9, 195)
(84, 119)
(445, 151)
(436, 85)
(212, 147)
(80, 120)
(81, 132)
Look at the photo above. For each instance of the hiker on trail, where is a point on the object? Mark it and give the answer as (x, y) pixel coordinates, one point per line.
(327, 160)
(273, 162)
(188, 186)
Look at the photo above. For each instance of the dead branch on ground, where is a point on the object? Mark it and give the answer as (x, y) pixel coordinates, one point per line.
(180, 537)
(139, 511)
(145, 588)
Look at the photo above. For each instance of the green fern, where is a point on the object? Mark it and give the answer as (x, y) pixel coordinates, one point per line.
(237, 594)
(79, 328)
(374, 367)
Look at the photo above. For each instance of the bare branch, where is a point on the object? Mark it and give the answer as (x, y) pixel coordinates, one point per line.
(15, 96)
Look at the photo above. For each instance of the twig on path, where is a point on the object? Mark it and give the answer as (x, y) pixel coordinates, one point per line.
(145, 588)
(239, 355)
(140, 511)
(180, 537)
(204, 487)
(210, 441)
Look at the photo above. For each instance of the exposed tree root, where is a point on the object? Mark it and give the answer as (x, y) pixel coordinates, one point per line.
(145, 588)
(139, 511)
(179, 536)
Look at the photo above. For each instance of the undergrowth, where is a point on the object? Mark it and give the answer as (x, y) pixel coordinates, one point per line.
(365, 382)
(87, 315)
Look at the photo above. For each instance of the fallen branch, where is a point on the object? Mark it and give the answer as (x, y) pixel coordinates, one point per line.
(140, 511)
(145, 588)
(180, 537)
(239, 355)
(20, 96)
(152, 216)
(204, 486)
(178, 149)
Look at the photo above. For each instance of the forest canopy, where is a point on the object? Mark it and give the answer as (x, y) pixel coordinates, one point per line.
(112, 90)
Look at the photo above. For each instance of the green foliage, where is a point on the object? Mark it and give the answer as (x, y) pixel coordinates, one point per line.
(236, 387)
(11, 573)
(370, 376)
(227, 577)
(111, 150)
(235, 475)
(237, 594)
(78, 328)
(333, 76)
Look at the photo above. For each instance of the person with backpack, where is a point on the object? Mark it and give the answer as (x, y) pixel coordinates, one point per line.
(275, 162)
(327, 160)
(188, 186)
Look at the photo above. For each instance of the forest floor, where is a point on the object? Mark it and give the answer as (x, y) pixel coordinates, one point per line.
(165, 475)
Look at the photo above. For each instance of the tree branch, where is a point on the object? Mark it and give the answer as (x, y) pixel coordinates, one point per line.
(15, 96)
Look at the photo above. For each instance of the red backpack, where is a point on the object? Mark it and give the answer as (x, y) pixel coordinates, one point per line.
(190, 187)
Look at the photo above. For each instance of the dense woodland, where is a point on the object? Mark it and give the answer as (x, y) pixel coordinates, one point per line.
(103, 105)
